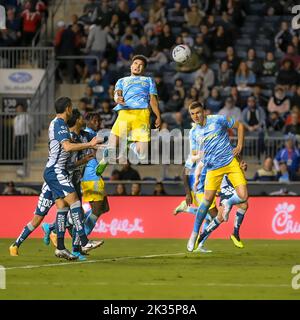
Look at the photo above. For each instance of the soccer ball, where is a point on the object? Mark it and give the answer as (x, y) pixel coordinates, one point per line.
(181, 53)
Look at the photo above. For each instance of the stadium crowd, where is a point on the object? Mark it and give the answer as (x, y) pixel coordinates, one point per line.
(245, 61)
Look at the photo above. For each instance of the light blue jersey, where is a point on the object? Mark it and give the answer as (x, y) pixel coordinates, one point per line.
(213, 140)
(136, 92)
(90, 168)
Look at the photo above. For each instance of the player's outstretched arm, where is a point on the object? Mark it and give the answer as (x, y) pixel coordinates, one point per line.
(70, 147)
(155, 109)
(240, 134)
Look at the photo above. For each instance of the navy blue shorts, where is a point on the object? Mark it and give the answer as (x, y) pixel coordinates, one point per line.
(59, 182)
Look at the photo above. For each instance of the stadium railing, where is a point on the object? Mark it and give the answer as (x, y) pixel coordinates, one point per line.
(41, 105)
(91, 57)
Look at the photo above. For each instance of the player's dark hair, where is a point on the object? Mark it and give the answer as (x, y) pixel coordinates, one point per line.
(74, 117)
(196, 104)
(61, 104)
(91, 115)
(140, 57)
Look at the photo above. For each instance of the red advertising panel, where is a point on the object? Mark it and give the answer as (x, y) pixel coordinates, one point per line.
(151, 217)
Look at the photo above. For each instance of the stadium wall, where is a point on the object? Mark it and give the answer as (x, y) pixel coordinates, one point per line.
(151, 217)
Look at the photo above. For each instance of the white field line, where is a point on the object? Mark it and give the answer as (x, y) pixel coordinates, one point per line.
(75, 263)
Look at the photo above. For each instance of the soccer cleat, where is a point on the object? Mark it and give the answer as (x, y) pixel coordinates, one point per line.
(201, 249)
(14, 250)
(65, 254)
(192, 241)
(53, 238)
(46, 239)
(91, 245)
(181, 208)
(237, 241)
(226, 210)
(80, 256)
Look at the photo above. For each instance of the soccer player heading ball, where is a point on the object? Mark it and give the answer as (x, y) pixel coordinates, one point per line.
(133, 95)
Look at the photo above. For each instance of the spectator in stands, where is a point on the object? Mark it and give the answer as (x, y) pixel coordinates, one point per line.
(179, 87)
(225, 75)
(174, 104)
(115, 27)
(284, 37)
(232, 59)
(135, 189)
(158, 11)
(266, 173)
(293, 56)
(269, 66)
(125, 52)
(13, 29)
(123, 13)
(207, 75)
(134, 38)
(128, 173)
(244, 78)
(136, 27)
(253, 117)
(120, 190)
(254, 64)
(10, 189)
(176, 15)
(61, 27)
(89, 12)
(138, 13)
(22, 127)
(99, 86)
(279, 102)
(230, 110)
(158, 59)
(288, 119)
(84, 107)
(143, 48)
(296, 44)
(162, 88)
(159, 190)
(96, 45)
(91, 99)
(289, 154)
(207, 38)
(166, 39)
(202, 89)
(187, 39)
(201, 49)
(261, 98)
(220, 40)
(31, 23)
(214, 101)
(69, 46)
(193, 16)
(283, 172)
(294, 127)
(275, 122)
(193, 95)
(287, 74)
(236, 96)
(107, 115)
(295, 99)
(115, 175)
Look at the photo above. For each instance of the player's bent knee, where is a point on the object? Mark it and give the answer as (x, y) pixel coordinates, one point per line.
(37, 220)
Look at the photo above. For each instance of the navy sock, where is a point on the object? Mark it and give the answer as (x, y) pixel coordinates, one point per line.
(61, 218)
(76, 213)
(239, 217)
(211, 227)
(24, 234)
(52, 227)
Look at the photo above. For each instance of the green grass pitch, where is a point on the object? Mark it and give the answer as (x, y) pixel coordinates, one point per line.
(153, 269)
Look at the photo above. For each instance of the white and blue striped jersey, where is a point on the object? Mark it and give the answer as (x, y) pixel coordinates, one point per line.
(58, 132)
